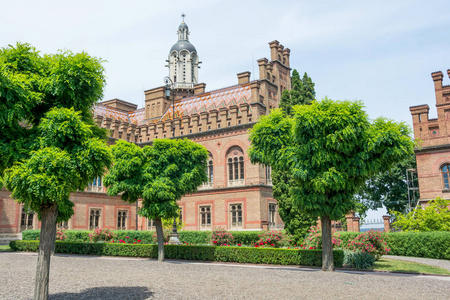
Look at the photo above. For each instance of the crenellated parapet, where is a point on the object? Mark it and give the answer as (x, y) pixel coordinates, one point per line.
(432, 132)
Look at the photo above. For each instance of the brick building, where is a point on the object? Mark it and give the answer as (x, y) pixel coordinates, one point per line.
(238, 194)
(433, 152)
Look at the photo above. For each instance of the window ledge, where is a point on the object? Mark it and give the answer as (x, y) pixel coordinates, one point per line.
(446, 190)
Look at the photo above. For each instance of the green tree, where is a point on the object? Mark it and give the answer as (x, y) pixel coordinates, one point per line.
(389, 188)
(296, 222)
(160, 174)
(302, 92)
(435, 216)
(330, 148)
(49, 145)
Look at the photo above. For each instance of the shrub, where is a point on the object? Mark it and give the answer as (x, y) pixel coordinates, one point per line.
(146, 237)
(274, 238)
(61, 235)
(101, 235)
(420, 244)
(31, 235)
(314, 239)
(372, 242)
(208, 253)
(166, 235)
(359, 260)
(221, 237)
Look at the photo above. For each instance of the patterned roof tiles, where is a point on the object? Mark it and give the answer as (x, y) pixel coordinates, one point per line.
(225, 97)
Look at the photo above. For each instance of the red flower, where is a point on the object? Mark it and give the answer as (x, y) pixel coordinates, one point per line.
(239, 245)
(127, 237)
(271, 244)
(215, 242)
(261, 243)
(134, 242)
(256, 245)
(139, 241)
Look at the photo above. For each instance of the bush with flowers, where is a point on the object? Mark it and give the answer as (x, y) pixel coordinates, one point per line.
(61, 235)
(166, 235)
(273, 238)
(127, 240)
(101, 235)
(372, 241)
(221, 237)
(314, 238)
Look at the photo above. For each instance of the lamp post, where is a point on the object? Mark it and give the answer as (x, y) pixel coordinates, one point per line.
(170, 92)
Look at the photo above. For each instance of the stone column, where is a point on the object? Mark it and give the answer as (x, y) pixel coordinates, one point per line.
(144, 133)
(124, 129)
(195, 119)
(223, 117)
(204, 118)
(133, 128)
(387, 223)
(159, 129)
(244, 112)
(115, 126)
(177, 124)
(186, 123)
(213, 114)
(98, 120)
(168, 127)
(234, 114)
(151, 131)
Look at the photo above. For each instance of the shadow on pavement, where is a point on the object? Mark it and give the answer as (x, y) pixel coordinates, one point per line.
(107, 293)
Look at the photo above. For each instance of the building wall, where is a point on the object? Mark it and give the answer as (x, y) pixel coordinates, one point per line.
(433, 138)
(220, 130)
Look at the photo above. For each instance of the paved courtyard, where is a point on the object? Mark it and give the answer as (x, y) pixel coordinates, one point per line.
(89, 277)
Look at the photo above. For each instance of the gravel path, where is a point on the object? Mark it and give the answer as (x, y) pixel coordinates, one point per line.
(445, 264)
(90, 277)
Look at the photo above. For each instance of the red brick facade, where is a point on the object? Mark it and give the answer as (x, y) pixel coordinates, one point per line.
(433, 137)
(219, 120)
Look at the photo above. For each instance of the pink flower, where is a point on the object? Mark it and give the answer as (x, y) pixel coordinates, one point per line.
(271, 244)
(127, 237)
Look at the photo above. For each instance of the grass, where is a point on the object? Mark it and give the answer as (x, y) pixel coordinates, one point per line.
(393, 265)
(5, 248)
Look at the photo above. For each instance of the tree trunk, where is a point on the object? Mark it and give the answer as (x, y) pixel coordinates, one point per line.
(46, 247)
(160, 236)
(327, 245)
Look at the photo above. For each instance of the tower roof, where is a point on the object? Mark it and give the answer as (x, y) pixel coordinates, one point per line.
(183, 45)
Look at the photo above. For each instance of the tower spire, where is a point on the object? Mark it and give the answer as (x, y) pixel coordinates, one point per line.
(183, 15)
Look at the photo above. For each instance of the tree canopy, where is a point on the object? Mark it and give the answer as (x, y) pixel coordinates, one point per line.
(49, 144)
(160, 174)
(330, 148)
(434, 216)
(296, 222)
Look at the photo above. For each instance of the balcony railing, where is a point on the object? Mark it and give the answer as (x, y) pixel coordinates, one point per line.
(183, 85)
(95, 189)
(236, 182)
(206, 186)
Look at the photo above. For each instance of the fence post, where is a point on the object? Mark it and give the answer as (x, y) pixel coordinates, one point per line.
(387, 224)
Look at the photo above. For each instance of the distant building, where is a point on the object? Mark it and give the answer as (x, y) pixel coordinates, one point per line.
(238, 194)
(433, 135)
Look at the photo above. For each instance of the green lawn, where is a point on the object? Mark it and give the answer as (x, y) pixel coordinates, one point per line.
(393, 265)
(5, 248)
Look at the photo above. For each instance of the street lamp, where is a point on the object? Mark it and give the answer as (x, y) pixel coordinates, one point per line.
(170, 92)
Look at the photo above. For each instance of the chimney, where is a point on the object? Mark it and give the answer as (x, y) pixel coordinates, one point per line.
(243, 77)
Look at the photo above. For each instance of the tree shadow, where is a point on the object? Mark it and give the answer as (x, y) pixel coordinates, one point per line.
(107, 293)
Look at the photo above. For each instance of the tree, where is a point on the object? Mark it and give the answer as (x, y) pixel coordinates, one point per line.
(49, 145)
(435, 216)
(330, 148)
(389, 188)
(302, 92)
(160, 174)
(296, 222)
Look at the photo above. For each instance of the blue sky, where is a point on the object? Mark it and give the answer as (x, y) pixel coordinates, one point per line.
(379, 52)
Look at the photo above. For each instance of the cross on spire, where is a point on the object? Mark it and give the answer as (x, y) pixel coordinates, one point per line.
(183, 15)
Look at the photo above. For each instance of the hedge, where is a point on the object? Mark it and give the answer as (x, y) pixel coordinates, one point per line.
(188, 252)
(433, 244)
(190, 237)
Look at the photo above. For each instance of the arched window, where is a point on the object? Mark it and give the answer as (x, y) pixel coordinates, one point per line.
(94, 219)
(26, 221)
(446, 175)
(236, 170)
(268, 175)
(210, 171)
(236, 215)
(122, 220)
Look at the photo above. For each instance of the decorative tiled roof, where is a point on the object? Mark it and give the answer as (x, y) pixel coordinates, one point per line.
(225, 97)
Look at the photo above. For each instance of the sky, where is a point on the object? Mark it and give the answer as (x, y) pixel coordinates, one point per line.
(379, 52)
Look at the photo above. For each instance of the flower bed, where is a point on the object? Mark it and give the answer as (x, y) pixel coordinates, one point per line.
(204, 253)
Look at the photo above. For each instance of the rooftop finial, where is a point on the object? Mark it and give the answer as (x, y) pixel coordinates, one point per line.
(183, 15)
